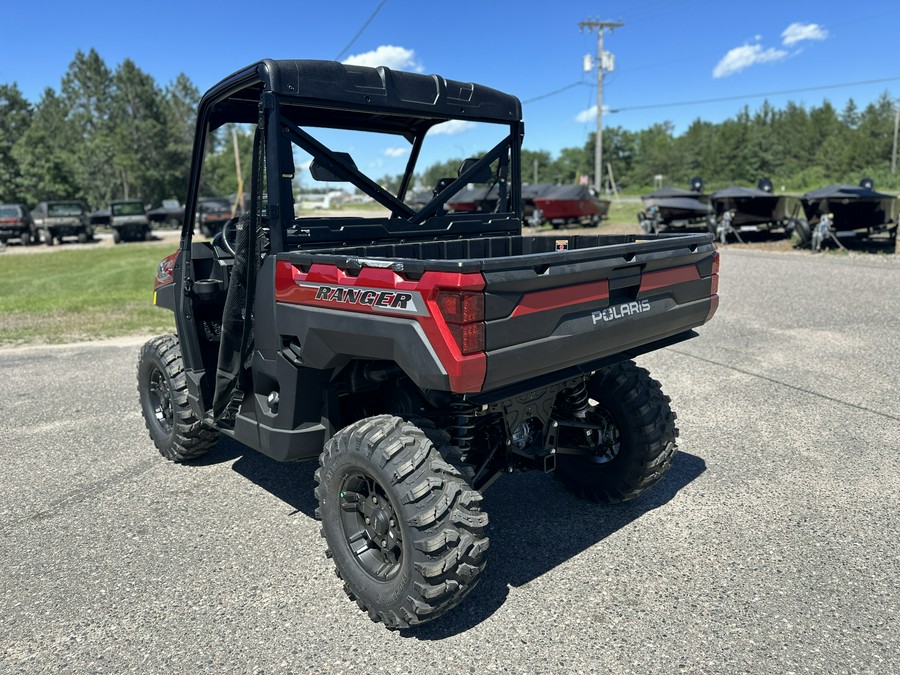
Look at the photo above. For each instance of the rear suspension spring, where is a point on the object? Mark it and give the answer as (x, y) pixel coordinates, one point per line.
(462, 427)
(576, 400)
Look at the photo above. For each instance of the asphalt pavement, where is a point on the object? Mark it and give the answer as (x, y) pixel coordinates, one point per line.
(770, 547)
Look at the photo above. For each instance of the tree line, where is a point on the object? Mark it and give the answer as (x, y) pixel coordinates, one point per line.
(116, 133)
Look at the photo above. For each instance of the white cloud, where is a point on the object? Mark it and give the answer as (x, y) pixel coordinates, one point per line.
(798, 32)
(590, 114)
(397, 58)
(451, 128)
(396, 152)
(741, 58)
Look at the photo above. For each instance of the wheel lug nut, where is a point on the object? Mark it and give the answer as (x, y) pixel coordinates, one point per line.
(368, 521)
(374, 500)
(392, 522)
(383, 543)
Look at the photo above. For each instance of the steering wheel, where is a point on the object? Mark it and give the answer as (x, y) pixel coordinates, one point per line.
(227, 236)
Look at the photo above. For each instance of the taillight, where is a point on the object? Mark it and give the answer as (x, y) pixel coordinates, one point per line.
(165, 271)
(464, 314)
(714, 288)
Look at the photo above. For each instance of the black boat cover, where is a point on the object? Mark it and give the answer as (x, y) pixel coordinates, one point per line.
(845, 192)
(738, 192)
(670, 192)
(568, 192)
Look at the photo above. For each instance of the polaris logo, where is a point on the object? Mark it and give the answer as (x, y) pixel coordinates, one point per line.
(620, 311)
(404, 302)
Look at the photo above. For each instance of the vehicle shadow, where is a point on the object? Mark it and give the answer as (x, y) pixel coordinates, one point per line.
(536, 525)
(291, 482)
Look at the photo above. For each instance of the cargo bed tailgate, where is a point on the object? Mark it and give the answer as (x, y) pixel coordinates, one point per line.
(546, 318)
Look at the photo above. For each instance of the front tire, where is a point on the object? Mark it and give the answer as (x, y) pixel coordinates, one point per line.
(638, 437)
(404, 529)
(176, 432)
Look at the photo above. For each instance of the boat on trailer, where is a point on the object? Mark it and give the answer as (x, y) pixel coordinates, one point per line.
(849, 214)
(739, 210)
(569, 204)
(672, 208)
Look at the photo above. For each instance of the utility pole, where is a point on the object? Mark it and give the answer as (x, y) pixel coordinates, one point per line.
(604, 62)
(894, 152)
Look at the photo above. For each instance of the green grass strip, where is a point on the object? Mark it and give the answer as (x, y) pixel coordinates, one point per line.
(69, 296)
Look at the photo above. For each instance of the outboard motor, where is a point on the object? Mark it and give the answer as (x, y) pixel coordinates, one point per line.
(867, 183)
(765, 185)
(696, 184)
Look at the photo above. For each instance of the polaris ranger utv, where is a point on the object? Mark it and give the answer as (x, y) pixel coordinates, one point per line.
(418, 355)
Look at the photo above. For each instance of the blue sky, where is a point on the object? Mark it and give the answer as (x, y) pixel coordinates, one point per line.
(668, 51)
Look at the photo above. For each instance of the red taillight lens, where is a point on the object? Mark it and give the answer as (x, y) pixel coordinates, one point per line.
(469, 337)
(165, 271)
(464, 314)
(715, 284)
(461, 307)
(715, 265)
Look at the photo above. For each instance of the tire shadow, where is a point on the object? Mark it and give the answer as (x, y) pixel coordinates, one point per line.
(535, 523)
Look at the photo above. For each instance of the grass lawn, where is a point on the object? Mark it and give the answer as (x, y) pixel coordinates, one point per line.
(67, 296)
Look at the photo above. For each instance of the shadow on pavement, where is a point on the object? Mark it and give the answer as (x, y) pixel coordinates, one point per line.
(536, 524)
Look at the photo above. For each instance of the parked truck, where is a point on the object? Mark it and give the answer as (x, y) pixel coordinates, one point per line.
(418, 355)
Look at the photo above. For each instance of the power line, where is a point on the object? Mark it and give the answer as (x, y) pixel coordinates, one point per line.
(555, 92)
(360, 31)
(653, 106)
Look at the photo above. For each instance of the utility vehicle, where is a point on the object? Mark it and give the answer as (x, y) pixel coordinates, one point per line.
(418, 355)
(128, 221)
(57, 220)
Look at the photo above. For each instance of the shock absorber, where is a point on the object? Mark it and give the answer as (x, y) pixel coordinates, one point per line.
(576, 400)
(462, 426)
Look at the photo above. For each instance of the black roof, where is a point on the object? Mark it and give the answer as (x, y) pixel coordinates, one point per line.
(333, 94)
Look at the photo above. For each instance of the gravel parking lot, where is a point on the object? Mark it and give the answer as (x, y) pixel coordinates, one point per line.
(770, 547)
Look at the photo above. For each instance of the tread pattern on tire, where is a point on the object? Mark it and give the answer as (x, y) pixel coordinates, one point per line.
(190, 438)
(651, 430)
(442, 513)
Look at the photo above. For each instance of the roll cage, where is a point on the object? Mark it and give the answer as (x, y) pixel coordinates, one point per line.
(285, 98)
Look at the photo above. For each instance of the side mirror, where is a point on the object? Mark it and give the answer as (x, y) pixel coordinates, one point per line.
(482, 175)
(320, 172)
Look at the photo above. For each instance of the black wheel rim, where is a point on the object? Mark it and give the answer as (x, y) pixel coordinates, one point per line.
(370, 526)
(160, 399)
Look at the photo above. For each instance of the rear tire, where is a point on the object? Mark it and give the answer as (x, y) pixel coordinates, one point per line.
(83, 238)
(176, 432)
(117, 237)
(404, 529)
(26, 239)
(643, 443)
(48, 238)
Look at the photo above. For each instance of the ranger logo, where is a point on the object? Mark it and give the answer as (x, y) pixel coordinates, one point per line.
(378, 299)
(619, 311)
